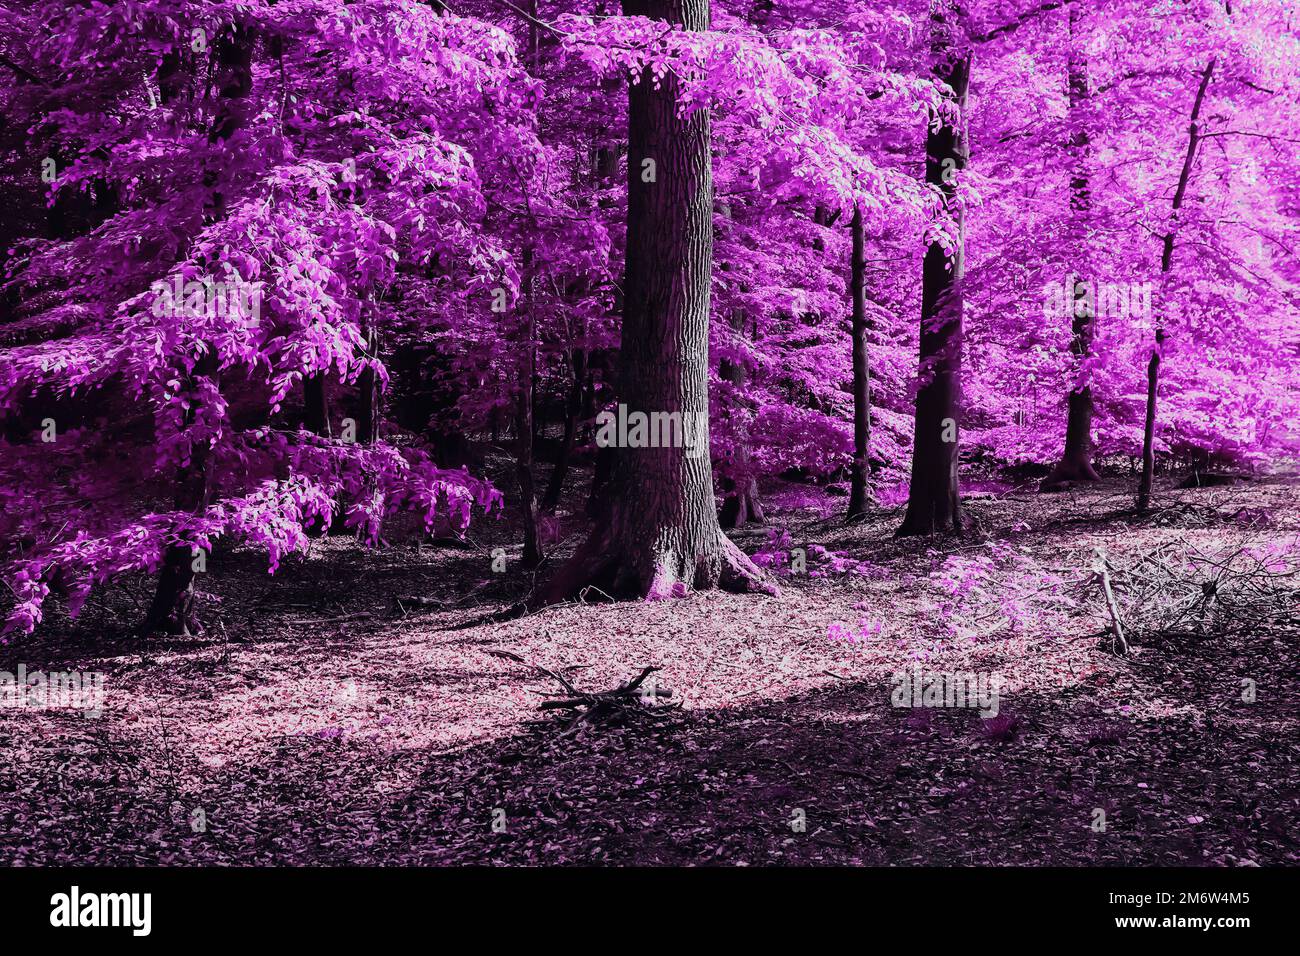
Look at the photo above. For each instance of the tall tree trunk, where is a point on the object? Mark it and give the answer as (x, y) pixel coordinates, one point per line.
(532, 555)
(1076, 459)
(934, 498)
(661, 535)
(172, 610)
(740, 503)
(860, 470)
(1166, 263)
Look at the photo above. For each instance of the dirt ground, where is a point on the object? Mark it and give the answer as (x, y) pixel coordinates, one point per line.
(326, 718)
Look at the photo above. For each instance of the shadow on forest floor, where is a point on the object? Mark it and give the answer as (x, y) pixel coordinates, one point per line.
(322, 724)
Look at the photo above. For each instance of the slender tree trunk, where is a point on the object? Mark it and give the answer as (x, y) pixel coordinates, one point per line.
(1166, 263)
(572, 415)
(860, 469)
(662, 536)
(934, 502)
(369, 397)
(740, 503)
(532, 555)
(525, 417)
(172, 610)
(1076, 460)
(1149, 427)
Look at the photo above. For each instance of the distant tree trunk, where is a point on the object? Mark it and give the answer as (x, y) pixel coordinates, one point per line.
(740, 504)
(172, 610)
(860, 469)
(934, 498)
(602, 474)
(1076, 460)
(316, 409)
(572, 415)
(369, 397)
(661, 535)
(1166, 263)
(316, 419)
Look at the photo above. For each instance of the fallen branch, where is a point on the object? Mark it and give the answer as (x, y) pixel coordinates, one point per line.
(598, 705)
(1100, 567)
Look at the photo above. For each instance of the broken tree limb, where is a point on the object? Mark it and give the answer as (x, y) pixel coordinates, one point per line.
(1102, 570)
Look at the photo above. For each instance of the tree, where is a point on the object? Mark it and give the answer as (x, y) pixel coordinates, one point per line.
(172, 610)
(934, 502)
(1076, 460)
(661, 535)
(254, 247)
(860, 470)
(1166, 264)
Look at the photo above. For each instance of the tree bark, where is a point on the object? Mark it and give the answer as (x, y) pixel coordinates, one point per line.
(1076, 459)
(934, 498)
(662, 535)
(1166, 263)
(860, 469)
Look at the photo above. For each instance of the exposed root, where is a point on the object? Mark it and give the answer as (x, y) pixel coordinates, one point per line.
(1067, 474)
(613, 571)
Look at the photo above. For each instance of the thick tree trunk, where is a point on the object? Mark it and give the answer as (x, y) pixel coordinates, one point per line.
(172, 610)
(661, 535)
(1076, 460)
(934, 502)
(740, 504)
(1166, 263)
(860, 469)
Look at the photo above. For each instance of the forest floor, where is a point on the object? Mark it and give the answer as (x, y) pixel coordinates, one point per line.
(327, 719)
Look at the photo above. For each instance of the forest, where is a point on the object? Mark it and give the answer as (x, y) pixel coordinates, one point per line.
(649, 433)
